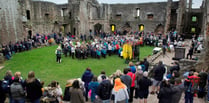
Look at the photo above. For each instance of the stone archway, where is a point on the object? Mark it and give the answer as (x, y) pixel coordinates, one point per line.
(126, 28)
(97, 28)
(159, 29)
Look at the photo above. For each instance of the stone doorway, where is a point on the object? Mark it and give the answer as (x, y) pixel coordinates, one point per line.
(97, 28)
(126, 28)
(74, 31)
(29, 34)
(159, 29)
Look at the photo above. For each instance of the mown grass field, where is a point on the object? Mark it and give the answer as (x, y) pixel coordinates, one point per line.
(42, 62)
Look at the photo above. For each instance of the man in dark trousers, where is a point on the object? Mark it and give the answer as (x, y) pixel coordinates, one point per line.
(190, 53)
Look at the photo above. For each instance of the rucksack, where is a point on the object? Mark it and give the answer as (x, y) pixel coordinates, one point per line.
(105, 91)
(58, 51)
(5, 86)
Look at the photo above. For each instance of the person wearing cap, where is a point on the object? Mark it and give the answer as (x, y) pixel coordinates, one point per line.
(143, 90)
(66, 97)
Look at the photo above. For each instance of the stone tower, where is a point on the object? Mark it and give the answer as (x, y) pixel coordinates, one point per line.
(168, 16)
(180, 12)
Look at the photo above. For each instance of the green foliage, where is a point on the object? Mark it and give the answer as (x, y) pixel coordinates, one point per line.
(43, 62)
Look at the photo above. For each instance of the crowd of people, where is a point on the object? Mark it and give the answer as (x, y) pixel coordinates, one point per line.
(92, 46)
(120, 87)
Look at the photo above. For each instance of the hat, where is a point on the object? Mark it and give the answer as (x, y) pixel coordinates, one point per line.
(69, 82)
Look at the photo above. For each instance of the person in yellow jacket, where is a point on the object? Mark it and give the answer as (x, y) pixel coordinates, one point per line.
(127, 51)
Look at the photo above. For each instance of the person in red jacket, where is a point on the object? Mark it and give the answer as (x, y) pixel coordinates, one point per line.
(133, 77)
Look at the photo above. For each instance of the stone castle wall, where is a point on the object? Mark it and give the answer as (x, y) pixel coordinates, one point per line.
(11, 28)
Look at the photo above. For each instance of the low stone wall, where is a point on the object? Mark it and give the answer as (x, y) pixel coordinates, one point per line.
(154, 57)
(186, 64)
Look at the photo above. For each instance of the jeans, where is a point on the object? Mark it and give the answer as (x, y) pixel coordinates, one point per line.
(18, 101)
(106, 101)
(36, 101)
(189, 97)
(208, 94)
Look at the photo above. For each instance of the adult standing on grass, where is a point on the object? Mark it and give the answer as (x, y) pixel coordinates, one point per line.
(86, 78)
(33, 88)
(58, 53)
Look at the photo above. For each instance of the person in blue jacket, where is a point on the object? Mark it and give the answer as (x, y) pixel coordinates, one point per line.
(86, 78)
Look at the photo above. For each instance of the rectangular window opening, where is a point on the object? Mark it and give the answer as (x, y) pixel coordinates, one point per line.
(28, 14)
(194, 19)
(137, 12)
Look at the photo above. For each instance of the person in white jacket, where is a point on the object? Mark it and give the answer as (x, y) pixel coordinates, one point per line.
(120, 92)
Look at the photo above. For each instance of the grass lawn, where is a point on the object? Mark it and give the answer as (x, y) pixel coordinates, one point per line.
(42, 62)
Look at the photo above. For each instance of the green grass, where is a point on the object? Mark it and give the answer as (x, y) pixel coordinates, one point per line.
(42, 62)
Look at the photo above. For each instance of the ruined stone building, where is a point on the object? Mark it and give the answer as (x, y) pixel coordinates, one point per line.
(23, 18)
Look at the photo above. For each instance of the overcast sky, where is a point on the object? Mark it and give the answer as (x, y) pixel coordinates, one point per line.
(196, 3)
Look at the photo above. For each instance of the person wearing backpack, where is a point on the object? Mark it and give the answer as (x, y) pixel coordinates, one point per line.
(104, 90)
(8, 79)
(2, 93)
(191, 84)
(58, 53)
(17, 91)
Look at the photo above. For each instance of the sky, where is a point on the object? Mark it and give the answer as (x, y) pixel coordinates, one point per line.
(196, 3)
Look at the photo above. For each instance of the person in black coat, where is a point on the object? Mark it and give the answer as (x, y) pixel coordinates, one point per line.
(86, 78)
(143, 90)
(104, 90)
(178, 89)
(166, 93)
(33, 88)
(159, 71)
(2, 93)
(190, 53)
(66, 96)
(146, 64)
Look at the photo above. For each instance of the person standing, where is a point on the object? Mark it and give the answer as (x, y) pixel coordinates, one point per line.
(104, 90)
(76, 94)
(143, 90)
(133, 77)
(17, 92)
(190, 53)
(166, 93)
(126, 79)
(159, 71)
(33, 88)
(86, 78)
(2, 93)
(58, 53)
(120, 92)
(146, 64)
(93, 85)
